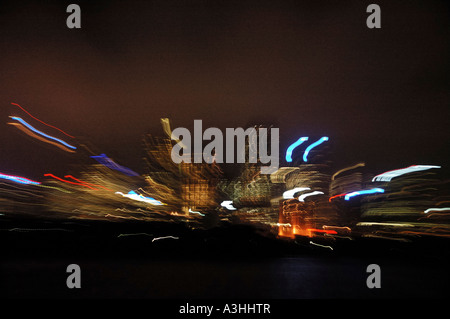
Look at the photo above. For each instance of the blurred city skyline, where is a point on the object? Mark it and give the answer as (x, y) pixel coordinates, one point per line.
(309, 69)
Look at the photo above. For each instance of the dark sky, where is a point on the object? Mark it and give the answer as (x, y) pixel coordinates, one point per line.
(312, 68)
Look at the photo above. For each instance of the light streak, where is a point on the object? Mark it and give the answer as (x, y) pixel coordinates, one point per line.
(290, 193)
(164, 237)
(284, 225)
(134, 196)
(30, 133)
(369, 191)
(301, 198)
(389, 175)
(346, 169)
(68, 182)
(194, 212)
(42, 121)
(41, 133)
(123, 217)
(325, 231)
(291, 148)
(17, 179)
(335, 196)
(106, 161)
(323, 246)
(384, 224)
(18, 193)
(57, 188)
(437, 210)
(228, 204)
(165, 122)
(79, 181)
(310, 147)
(337, 228)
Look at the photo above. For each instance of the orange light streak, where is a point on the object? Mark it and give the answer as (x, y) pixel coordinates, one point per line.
(30, 133)
(340, 195)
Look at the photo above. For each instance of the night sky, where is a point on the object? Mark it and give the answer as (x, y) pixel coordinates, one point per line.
(312, 68)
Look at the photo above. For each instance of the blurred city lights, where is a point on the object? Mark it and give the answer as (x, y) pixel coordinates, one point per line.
(388, 176)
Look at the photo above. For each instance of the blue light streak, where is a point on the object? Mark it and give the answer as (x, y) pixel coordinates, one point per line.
(369, 191)
(106, 161)
(293, 146)
(310, 147)
(18, 179)
(135, 196)
(43, 134)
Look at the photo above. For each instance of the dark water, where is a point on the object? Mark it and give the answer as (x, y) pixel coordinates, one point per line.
(218, 264)
(296, 277)
(285, 278)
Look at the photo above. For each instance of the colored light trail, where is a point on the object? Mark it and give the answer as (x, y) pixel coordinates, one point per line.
(30, 133)
(336, 196)
(57, 188)
(137, 197)
(228, 204)
(444, 209)
(108, 162)
(289, 194)
(18, 179)
(42, 121)
(319, 245)
(389, 175)
(364, 192)
(291, 148)
(41, 133)
(90, 184)
(347, 169)
(384, 224)
(68, 182)
(301, 198)
(194, 212)
(310, 147)
(165, 237)
(325, 231)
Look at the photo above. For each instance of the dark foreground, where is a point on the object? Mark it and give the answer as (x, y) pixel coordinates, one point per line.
(233, 262)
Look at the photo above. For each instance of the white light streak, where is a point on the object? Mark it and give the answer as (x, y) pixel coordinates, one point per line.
(437, 210)
(388, 176)
(228, 204)
(290, 193)
(301, 198)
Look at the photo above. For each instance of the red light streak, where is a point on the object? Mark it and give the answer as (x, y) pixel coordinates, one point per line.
(69, 182)
(326, 231)
(86, 183)
(336, 196)
(43, 121)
